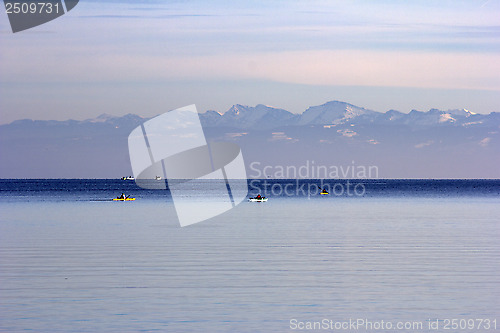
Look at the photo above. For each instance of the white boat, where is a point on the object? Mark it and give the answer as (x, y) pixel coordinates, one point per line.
(257, 199)
(158, 177)
(128, 178)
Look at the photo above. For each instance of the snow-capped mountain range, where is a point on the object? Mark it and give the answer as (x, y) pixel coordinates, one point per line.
(338, 113)
(263, 117)
(432, 144)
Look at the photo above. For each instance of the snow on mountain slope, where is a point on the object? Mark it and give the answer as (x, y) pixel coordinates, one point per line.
(242, 116)
(334, 112)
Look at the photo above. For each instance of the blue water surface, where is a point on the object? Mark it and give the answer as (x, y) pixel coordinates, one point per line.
(72, 260)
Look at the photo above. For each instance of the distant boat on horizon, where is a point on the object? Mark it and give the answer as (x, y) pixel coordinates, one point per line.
(258, 198)
(128, 178)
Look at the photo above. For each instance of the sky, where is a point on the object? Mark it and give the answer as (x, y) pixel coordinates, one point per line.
(148, 57)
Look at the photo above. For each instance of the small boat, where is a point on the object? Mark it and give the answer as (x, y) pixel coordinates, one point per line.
(258, 199)
(324, 192)
(158, 178)
(124, 197)
(128, 178)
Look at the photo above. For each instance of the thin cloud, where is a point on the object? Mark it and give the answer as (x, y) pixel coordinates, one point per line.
(344, 67)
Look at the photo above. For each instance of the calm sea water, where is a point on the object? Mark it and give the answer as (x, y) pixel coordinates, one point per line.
(404, 251)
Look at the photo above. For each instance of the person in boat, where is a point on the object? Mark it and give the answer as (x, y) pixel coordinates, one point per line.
(259, 197)
(121, 196)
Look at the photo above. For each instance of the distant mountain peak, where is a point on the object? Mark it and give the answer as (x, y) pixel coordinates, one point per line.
(101, 118)
(244, 116)
(212, 112)
(461, 112)
(333, 112)
(268, 106)
(105, 116)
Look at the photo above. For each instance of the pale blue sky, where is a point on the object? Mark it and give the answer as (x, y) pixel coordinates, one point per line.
(147, 57)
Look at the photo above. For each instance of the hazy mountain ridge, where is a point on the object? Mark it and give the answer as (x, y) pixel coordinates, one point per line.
(331, 113)
(338, 113)
(432, 144)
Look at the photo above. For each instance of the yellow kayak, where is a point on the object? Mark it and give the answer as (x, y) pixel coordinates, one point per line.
(125, 199)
